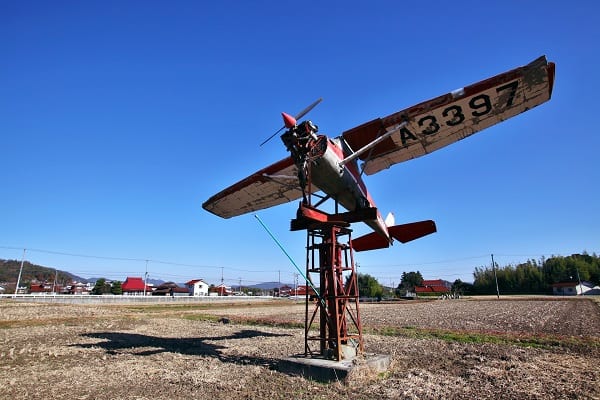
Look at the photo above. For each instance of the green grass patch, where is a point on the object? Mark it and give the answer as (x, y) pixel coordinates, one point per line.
(202, 317)
(465, 337)
(244, 320)
(165, 307)
(539, 341)
(270, 322)
(161, 308)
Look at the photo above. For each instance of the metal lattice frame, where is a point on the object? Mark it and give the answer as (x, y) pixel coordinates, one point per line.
(338, 304)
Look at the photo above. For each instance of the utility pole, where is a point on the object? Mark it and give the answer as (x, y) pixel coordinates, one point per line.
(55, 279)
(495, 277)
(295, 284)
(221, 275)
(20, 272)
(146, 278)
(579, 279)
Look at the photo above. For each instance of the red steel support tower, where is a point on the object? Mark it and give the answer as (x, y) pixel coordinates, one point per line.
(329, 256)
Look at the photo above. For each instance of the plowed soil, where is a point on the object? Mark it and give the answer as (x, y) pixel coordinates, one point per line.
(546, 348)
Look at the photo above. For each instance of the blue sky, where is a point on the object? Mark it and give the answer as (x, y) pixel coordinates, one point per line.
(119, 118)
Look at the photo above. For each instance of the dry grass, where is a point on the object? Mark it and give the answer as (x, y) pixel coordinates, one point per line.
(517, 349)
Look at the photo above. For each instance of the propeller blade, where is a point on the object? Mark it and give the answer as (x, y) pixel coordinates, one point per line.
(272, 136)
(307, 109)
(287, 119)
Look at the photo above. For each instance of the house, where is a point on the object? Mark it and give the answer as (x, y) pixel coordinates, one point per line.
(74, 288)
(283, 291)
(303, 289)
(575, 288)
(431, 287)
(79, 288)
(170, 289)
(197, 287)
(40, 288)
(135, 286)
(220, 290)
(45, 288)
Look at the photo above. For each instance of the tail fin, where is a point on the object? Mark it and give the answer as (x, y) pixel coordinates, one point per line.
(390, 220)
(403, 233)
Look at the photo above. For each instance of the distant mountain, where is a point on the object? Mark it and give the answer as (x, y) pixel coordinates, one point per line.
(157, 282)
(9, 272)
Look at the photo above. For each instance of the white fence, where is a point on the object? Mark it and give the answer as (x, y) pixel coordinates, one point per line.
(91, 299)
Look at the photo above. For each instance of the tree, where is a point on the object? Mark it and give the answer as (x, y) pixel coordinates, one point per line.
(368, 286)
(461, 288)
(116, 288)
(537, 277)
(408, 281)
(484, 281)
(101, 287)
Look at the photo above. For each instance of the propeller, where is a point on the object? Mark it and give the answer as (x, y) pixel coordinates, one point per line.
(290, 121)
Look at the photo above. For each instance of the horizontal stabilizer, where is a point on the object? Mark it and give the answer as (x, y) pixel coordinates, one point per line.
(403, 233)
(370, 241)
(407, 232)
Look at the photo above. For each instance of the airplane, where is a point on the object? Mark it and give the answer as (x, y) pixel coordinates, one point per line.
(319, 164)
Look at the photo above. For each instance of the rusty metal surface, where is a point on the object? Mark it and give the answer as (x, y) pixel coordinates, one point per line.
(441, 121)
(271, 186)
(338, 307)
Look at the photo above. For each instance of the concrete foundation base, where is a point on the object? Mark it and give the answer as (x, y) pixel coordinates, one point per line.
(324, 370)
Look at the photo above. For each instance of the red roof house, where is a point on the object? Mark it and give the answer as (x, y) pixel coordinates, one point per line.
(283, 291)
(433, 286)
(220, 290)
(134, 286)
(301, 290)
(40, 288)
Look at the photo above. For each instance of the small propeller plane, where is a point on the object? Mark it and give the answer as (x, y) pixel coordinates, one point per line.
(319, 164)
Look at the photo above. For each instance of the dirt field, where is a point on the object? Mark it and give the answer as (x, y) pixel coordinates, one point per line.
(451, 349)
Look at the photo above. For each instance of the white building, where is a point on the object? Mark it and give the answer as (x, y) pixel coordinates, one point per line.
(575, 288)
(197, 287)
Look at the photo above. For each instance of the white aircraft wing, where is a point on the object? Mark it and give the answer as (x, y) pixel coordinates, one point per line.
(446, 119)
(271, 186)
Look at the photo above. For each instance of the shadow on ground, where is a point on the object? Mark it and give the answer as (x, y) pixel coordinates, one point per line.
(146, 345)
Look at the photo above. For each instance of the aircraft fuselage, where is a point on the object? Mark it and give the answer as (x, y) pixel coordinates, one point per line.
(342, 183)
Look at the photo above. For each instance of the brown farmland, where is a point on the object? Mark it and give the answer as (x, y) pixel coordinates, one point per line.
(451, 349)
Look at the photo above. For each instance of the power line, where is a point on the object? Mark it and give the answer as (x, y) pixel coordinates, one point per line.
(73, 254)
(412, 265)
(372, 268)
(112, 258)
